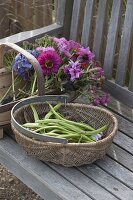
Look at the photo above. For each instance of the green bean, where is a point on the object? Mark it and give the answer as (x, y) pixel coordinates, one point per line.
(36, 117)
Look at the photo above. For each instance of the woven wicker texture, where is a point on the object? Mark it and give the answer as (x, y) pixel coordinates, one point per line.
(71, 154)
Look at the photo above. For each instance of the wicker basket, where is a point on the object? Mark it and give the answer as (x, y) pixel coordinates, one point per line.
(71, 154)
(6, 81)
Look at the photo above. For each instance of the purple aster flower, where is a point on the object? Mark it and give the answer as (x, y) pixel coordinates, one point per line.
(74, 70)
(66, 47)
(22, 66)
(50, 62)
(85, 56)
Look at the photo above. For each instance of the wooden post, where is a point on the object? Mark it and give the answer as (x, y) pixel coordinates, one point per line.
(64, 14)
(1, 133)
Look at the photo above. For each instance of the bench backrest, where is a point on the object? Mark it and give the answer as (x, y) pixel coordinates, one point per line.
(107, 27)
(104, 25)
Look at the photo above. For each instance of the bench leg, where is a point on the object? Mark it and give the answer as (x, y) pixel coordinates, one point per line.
(1, 133)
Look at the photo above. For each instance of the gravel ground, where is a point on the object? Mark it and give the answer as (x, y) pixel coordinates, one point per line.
(12, 188)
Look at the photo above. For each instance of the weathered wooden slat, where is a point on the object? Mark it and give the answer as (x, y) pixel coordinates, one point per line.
(60, 12)
(83, 182)
(116, 170)
(107, 181)
(125, 44)
(87, 24)
(53, 29)
(67, 18)
(121, 156)
(124, 142)
(99, 33)
(112, 37)
(125, 126)
(37, 175)
(131, 80)
(75, 19)
(120, 109)
(120, 93)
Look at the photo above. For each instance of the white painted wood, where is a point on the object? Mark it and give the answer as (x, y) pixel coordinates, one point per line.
(107, 181)
(116, 170)
(83, 182)
(125, 44)
(37, 175)
(121, 156)
(99, 32)
(75, 19)
(53, 29)
(112, 37)
(87, 24)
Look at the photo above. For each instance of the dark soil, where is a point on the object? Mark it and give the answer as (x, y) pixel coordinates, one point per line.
(12, 188)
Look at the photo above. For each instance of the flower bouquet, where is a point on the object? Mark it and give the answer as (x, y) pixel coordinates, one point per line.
(67, 67)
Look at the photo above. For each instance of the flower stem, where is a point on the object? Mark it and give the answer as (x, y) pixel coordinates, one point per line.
(34, 84)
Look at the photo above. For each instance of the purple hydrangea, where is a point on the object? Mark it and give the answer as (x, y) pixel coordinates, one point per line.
(74, 70)
(22, 66)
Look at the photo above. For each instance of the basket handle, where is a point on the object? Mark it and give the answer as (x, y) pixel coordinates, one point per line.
(31, 59)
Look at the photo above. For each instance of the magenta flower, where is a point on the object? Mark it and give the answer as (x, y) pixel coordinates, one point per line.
(49, 61)
(74, 70)
(85, 56)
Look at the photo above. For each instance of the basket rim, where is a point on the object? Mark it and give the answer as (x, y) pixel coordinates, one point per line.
(100, 142)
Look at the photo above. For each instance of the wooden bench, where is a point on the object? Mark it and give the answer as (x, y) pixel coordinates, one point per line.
(108, 179)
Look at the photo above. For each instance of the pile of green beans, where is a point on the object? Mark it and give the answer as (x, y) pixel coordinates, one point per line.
(56, 125)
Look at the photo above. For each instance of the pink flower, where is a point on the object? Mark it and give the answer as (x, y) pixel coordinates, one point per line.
(49, 61)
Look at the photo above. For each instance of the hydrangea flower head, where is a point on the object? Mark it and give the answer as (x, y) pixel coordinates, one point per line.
(49, 61)
(21, 66)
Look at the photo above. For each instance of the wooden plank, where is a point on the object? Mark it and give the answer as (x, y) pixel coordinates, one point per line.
(125, 44)
(99, 33)
(37, 175)
(130, 87)
(124, 142)
(87, 24)
(67, 18)
(83, 182)
(1, 133)
(75, 19)
(116, 170)
(125, 126)
(107, 181)
(121, 156)
(112, 37)
(53, 29)
(121, 109)
(120, 93)
(61, 12)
